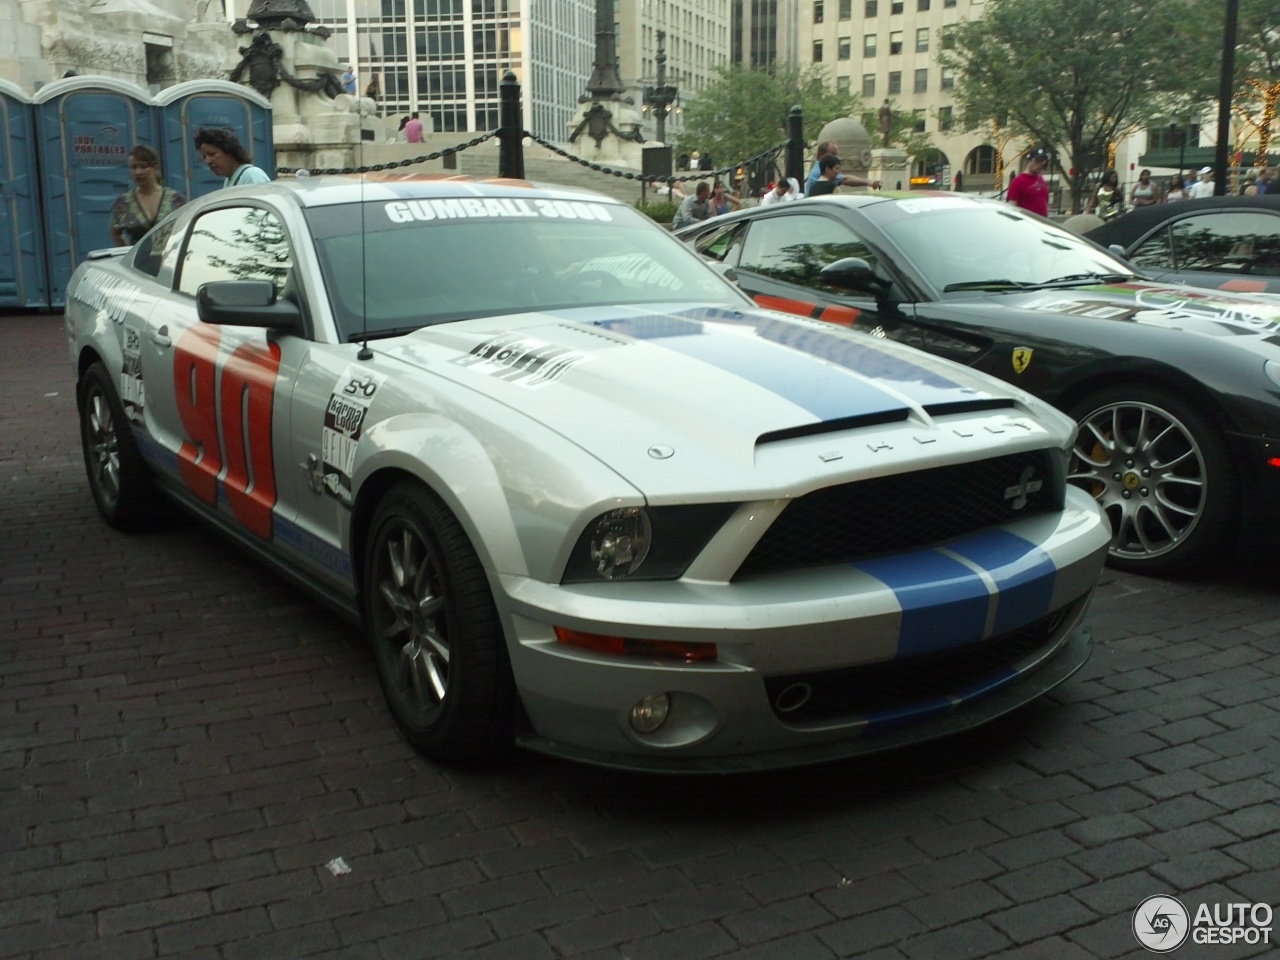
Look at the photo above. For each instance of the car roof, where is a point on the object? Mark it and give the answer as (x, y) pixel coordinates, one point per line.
(1137, 223)
(330, 189)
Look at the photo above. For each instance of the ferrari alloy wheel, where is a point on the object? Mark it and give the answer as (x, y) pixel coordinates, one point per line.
(118, 479)
(439, 648)
(1161, 472)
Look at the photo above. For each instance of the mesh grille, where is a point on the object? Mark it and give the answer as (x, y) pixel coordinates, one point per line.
(907, 511)
(854, 692)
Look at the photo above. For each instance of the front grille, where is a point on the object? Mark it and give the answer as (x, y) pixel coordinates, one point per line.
(855, 693)
(905, 511)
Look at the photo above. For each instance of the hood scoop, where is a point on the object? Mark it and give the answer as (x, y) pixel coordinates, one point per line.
(834, 426)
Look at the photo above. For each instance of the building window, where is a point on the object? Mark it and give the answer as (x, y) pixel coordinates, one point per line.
(895, 41)
(869, 45)
(871, 8)
(917, 121)
(948, 78)
(948, 38)
(948, 3)
(842, 86)
(895, 81)
(944, 119)
(846, 9)
(981, 160)
(922, 5)
(817, 51)
(845, 51)
(896, 6)
(868, 84)
(922, 81)
(922, 40)
(817, 11)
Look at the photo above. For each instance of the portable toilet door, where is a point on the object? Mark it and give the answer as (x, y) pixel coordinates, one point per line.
(23, 281)
(186, 107)
(87, 126)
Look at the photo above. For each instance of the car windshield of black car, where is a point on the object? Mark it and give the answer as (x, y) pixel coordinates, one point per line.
(960, 246)
(435, 261)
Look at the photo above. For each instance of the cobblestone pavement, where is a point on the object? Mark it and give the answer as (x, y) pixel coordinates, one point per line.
(186, 742)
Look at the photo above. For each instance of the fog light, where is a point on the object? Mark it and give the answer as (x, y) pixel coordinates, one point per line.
(650, 713)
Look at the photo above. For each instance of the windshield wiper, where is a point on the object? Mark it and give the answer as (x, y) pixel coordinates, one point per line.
(1087, 277)
(986, 285)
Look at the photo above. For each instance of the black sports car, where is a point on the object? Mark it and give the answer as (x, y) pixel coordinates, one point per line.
(1176, 389)
(1228, 243)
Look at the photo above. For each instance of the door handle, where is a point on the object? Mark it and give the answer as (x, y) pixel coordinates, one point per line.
(161, 337)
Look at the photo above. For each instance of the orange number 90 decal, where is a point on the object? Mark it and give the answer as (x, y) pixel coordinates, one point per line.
(248, 384)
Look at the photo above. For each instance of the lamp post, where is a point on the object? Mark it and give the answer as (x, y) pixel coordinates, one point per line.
(661, 97)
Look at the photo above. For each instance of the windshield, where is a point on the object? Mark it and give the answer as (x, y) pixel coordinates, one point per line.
(422, 262)
(962, 244)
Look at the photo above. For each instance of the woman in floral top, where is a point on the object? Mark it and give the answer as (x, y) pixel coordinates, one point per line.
(150, 201)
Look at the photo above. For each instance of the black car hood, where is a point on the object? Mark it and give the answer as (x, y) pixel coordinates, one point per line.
(1195, 310)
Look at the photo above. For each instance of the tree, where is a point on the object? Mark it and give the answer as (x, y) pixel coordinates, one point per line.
(743, 112)
(1076, 74)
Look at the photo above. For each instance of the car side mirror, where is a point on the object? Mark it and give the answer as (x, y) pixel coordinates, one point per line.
(853, 273)
(1117, 250)
(245, 303)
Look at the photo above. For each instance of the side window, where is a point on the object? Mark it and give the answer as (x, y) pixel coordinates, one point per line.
(1229, 242)
(149, 252)
(794, 249)
(716, 244)
(236, 243)
(1156, 251)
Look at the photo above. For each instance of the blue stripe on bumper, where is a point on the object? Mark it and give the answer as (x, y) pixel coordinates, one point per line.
(944, 603)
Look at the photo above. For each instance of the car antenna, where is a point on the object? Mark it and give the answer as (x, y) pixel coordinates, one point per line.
(365, 353)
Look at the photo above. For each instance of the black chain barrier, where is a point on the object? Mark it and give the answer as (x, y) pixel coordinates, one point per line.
(410, 161)
(769, 154)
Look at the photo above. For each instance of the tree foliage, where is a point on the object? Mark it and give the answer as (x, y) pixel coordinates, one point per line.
(1079, 74)
(1258, 33)
(744, 111)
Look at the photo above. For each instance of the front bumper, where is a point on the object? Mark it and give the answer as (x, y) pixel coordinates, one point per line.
(964, 615)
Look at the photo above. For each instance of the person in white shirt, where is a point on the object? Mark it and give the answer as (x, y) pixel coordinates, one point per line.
(1202, 187)
(784, 191)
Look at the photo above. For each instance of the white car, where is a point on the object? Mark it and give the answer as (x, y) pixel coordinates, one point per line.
(583, 496)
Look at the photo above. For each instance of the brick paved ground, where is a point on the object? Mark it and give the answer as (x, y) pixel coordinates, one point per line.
(185, 742)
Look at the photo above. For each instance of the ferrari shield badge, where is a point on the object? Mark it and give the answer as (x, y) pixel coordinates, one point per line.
(1021, 359)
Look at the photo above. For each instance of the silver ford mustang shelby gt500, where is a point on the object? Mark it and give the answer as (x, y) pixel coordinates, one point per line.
(582, 495)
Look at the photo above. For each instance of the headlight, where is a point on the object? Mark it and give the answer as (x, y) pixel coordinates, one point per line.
(620, 542)
(643, 543)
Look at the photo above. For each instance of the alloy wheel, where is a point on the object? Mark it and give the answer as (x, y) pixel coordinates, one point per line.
(412, 623)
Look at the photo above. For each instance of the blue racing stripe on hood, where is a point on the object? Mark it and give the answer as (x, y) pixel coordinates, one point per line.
(826, 392)
(944, 603)
(1023, 572)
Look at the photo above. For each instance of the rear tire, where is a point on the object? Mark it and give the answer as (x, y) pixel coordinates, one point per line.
(439, 647)
(118, 478)
(1162, 472)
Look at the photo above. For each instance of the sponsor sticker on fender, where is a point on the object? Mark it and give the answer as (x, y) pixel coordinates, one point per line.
(344, 419)
(133, 392)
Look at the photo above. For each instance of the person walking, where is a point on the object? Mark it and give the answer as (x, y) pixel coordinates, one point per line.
(1176, 192)
(1028, 189)
(1203, 187)
(1108, 200)
(136, 211)
(1145, 193)
(227, 157)
(829, 178)
(413, 129)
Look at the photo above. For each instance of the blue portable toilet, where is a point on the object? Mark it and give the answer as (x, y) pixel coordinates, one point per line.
(186, 107)
(86, 128)
(23, 280)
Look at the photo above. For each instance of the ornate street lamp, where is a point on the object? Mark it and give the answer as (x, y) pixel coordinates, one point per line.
(661, 97)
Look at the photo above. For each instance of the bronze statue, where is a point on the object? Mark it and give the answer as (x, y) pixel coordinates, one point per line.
(886, 121)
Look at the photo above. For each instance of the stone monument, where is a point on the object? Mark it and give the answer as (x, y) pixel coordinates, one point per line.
(608, 129)
(315, 124)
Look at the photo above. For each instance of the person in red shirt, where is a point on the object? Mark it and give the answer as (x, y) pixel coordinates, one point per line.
(1029, 189)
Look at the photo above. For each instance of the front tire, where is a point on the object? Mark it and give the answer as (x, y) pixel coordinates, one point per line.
(1163, 474)
(118, 478)
(438, 644)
